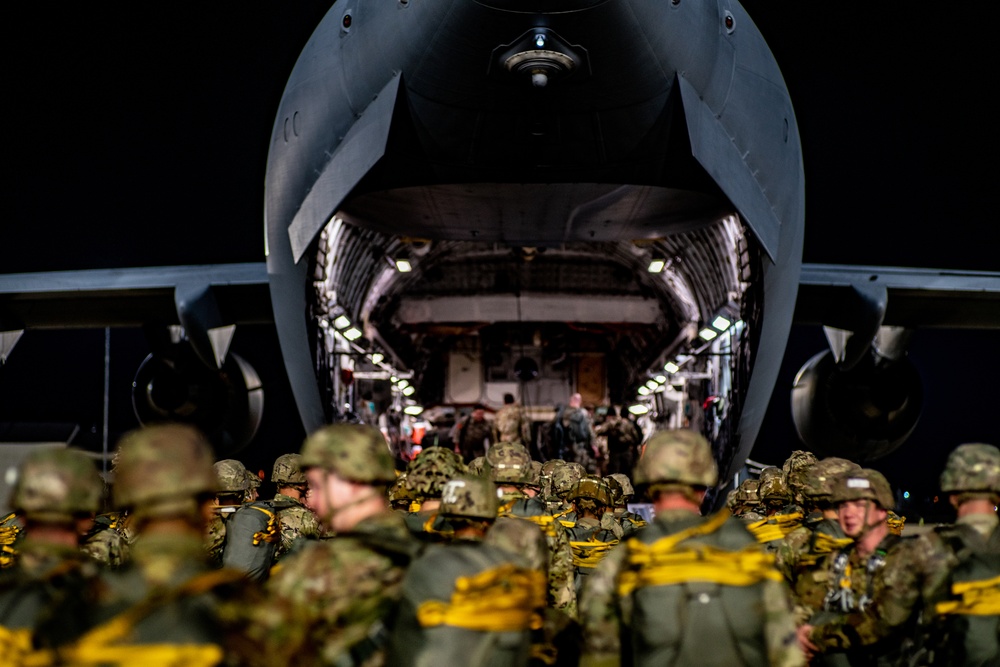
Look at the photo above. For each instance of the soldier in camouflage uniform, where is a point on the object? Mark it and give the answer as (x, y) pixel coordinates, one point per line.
(621, 494)
(467, 602)
(163, 607)
(579, 433)
(109, 542)
(511, 424)
(782, 517)
(56, 494)
(961, 622)
(426, 476)
(588, 538)
(875, 584)
(298, 523)
(623, 438)
(328, 602)
(563, 480)
(747, 502)
(688, 590)
(801, 555)
(473, 435)
(250, 532)
(510, 469)
(796, 469)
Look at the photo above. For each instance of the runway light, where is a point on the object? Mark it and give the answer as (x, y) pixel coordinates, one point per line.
(644, 390)
(638, 409)
(377, 358)
(722, 323)
(403, 265)
(408, 391)
(707, 334)
(341, 322)
(413, 410)
(656, 266)
(352, 334)
(660, 379)
(671, 367)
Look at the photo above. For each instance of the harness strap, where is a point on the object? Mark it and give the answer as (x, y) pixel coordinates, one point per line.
(590, 553)
(701, 563)
(501, 599)
(977, 598)
(270, 534)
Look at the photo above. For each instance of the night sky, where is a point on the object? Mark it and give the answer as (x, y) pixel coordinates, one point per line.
(137, 135)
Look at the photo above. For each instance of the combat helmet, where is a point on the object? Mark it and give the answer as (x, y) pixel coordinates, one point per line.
(163, 471)
(287, 470)
(625, 483)
(56, 485)
(868, 484)
(479, 467)
(232, 476)
(470, 498)
(354, 452)
(796, 470)
(427, 473)
(548, 469)
(565, 477)
(677, 457)
(509, 463)
(591, 488)
(972, 468)
(772, 489)
(399, 495)
(536, 475)
(818, 487)
(615, 490)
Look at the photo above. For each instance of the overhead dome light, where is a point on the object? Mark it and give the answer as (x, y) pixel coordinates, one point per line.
(408, 391)
(377, 358)
(341, 322)
(671, 367)
(721, 323)
(413, 410)
(352, 334)
(656, 266)
(638, 409)
(707, 334)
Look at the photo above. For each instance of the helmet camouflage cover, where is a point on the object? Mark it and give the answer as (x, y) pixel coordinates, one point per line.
(973, 467)
(624, 482)
(427, 473)
(565, 477)
(771, 487)
(355, 452)
(479, 467)
(592, 488)
(677, 457)
(288, 469)
(163, 469)
(868, 484)
(819, 483)
(796, 470)
(232, 476)
(57, 485)
(469, 497)
(509, 463)
(399, 492)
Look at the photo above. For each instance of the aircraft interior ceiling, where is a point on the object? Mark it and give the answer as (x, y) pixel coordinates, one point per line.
(579, 297)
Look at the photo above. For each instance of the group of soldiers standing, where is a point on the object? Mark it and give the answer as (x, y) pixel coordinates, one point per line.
(501, 560)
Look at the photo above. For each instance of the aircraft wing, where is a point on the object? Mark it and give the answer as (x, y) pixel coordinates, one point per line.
(912, 298)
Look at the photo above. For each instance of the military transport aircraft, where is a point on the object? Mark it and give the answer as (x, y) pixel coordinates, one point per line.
(603, 196)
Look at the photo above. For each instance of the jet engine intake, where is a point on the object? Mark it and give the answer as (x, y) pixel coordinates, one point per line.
(862, 413)
(226, 404)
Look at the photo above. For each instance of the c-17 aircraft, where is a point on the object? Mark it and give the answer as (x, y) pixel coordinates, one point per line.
(580, 189)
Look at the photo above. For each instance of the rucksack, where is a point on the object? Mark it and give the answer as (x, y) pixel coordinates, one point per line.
(252, 536)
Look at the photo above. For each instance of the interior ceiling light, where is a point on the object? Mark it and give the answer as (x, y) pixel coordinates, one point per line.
(403, 265)
(352, 334)
(644, 390)
(671, 367)
(408, 391)
(403, 384)
(722, 323)
(708, 334)
(377, 358)
(638, 409)
(341, 322)
(413, 410)
(652, 384)
(660, 379)
(656, 265)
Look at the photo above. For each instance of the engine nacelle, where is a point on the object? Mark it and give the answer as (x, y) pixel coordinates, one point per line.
(861, 414)
(226, 404)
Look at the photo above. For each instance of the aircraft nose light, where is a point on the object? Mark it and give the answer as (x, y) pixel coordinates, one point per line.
(541, 55)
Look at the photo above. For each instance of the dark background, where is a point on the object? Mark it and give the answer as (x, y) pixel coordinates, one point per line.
(138, 135)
